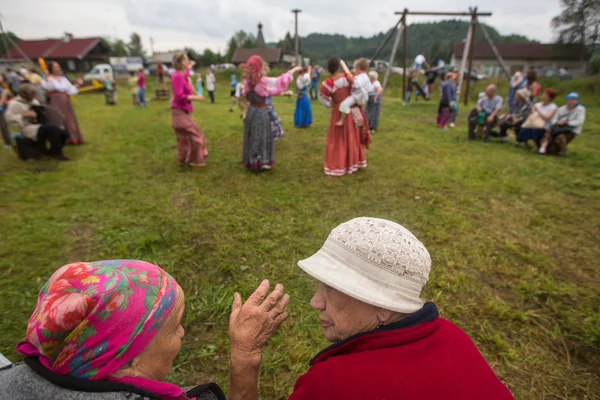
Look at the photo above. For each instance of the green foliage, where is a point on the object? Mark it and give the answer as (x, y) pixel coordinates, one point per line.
(512, 235)
(135, 48)
(232, 46)
(287, 44)
(579, 22)
(209, 57)
(6, 41)
(434, 39)
(595, 65)
(119, 49)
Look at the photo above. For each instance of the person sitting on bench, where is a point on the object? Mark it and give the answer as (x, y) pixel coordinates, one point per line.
(490, 105)
(25, 111)
(566, 125)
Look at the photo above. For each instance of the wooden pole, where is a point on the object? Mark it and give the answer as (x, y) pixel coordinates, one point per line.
(404, 47)
(495, 50)
(385, 41)
(463, 61)
(394, 50)
(471, 51)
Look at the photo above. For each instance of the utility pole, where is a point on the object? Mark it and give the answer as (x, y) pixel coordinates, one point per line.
(296, 11)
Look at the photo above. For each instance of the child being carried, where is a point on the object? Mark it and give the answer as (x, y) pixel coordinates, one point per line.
(361, 86)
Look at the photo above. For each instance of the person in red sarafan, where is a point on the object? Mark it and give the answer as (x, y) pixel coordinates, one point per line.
(345, 149)
(387, 343)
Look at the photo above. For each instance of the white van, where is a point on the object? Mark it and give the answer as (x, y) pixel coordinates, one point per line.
(99, 73)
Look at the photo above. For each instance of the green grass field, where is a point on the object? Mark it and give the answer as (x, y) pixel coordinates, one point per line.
(513, 236)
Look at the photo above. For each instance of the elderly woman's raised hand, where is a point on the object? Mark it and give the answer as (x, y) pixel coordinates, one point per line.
(252, 323)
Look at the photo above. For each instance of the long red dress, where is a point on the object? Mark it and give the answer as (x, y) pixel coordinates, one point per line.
(345, 151)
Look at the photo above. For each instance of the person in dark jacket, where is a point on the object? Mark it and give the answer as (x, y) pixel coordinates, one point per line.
(387, 343)
(448, 97)
(106, 330)
(519, 113)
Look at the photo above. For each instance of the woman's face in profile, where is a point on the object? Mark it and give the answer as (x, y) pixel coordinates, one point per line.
(157, 360)
(340, 315)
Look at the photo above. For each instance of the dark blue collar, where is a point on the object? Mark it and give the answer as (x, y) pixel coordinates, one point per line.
(427, 313)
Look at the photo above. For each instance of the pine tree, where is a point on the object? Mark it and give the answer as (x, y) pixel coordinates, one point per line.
(579, 23)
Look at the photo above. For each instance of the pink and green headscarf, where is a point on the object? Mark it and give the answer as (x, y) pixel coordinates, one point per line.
(94, 318)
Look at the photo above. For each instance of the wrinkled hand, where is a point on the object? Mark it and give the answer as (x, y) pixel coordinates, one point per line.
(490, 119)
(252, 324)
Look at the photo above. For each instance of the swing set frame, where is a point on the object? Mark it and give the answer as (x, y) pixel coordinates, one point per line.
(400, 29)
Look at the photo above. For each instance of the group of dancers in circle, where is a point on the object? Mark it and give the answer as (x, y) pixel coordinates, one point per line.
(345, 93)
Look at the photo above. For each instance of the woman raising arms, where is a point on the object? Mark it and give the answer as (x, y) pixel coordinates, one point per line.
(259, 151)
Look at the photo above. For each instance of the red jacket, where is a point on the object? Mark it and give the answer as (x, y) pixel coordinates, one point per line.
(427, 360)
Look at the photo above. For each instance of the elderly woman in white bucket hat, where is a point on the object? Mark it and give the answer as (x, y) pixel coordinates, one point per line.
(387, 342)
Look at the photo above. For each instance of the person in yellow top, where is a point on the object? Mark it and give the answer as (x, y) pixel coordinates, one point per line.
(132, 82)
(33, 77)
(36, 80)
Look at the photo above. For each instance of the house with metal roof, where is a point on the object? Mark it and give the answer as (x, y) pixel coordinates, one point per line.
(73, 54)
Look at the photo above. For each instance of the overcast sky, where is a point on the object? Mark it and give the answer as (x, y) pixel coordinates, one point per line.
(204, 24)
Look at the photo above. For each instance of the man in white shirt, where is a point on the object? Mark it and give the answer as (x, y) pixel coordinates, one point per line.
(419, 61)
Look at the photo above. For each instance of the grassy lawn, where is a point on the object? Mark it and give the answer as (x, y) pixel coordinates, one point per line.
(513, 236)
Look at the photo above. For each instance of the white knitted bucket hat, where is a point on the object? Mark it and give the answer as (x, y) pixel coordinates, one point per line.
(375, 261)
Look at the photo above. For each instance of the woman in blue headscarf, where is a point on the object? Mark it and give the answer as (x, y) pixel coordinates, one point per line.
(303, 113)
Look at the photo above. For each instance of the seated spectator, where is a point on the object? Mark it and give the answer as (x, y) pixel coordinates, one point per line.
(546, 110)
(533, 85)
(518, 114)
(103, 330)
(21, 112)
(566, 125)
(3, 124)
(516, 83)
(386, 341)
(486, 113)
(36, 80)
(13, 80)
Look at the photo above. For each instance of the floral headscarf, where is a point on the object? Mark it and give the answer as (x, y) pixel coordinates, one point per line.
(254, 71)
(93, 318)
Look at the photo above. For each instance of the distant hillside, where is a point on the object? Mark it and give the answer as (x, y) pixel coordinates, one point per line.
(434, 39)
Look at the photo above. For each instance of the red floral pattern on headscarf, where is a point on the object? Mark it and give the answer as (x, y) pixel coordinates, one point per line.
(93, 318)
